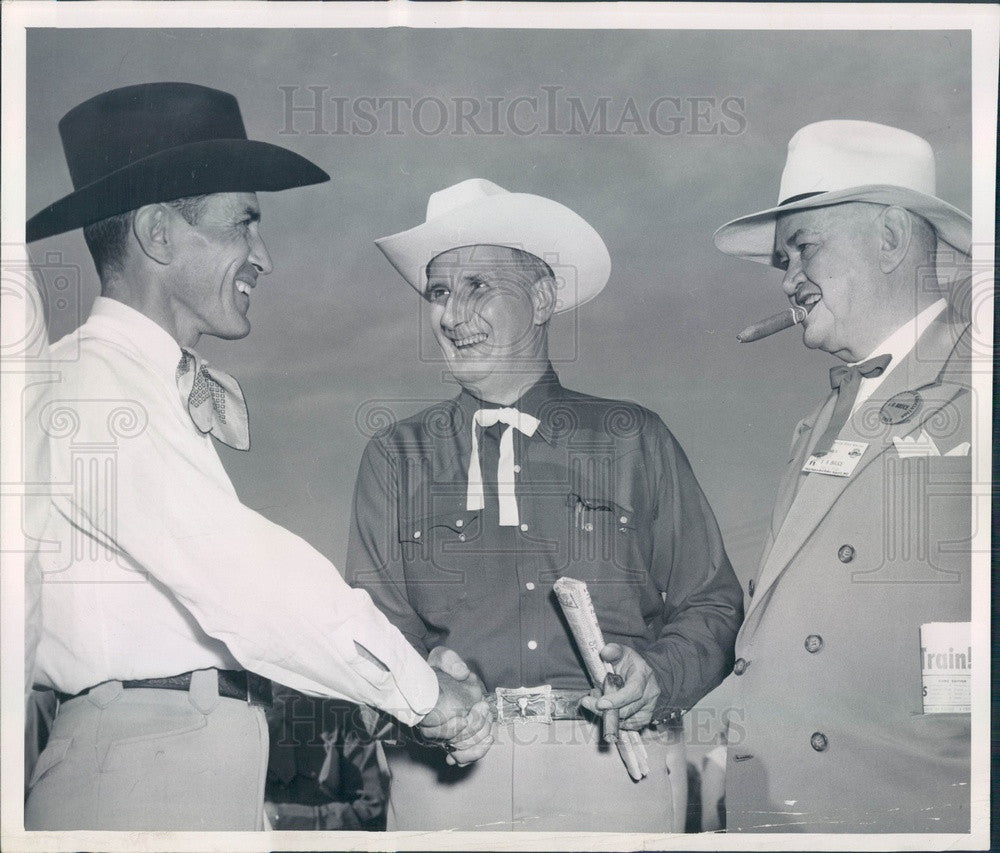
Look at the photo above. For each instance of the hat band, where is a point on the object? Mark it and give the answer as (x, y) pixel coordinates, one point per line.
(794, 198)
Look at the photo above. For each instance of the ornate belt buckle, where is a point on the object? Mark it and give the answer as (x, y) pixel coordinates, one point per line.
(526, 704)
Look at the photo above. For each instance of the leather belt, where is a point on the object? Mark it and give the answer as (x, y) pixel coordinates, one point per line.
(233, 684)
(536, 704)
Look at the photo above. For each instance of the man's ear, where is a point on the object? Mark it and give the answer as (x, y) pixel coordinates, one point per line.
(894, 241)
(152, 227)
(543, 299)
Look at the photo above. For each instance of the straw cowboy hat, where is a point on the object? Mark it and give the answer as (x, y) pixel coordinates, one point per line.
(831, 162)
(157, 142)
(478, 212)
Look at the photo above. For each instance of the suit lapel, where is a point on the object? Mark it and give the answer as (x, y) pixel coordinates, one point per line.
(923, 370)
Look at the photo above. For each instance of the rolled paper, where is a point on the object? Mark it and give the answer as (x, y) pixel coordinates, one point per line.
(577, 607)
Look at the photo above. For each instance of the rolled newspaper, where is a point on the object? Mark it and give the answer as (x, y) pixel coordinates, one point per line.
(574, 598)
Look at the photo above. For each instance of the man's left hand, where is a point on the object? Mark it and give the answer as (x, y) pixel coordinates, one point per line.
(637, 699)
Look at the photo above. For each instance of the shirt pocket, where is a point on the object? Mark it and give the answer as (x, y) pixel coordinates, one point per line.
(603, 538)
(439, 550)
(604, 551)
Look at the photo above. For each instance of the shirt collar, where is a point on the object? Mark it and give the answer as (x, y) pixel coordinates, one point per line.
(900, 343)
(130, 328)
(539, 400)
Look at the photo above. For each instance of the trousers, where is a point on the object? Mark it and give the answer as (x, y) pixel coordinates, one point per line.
(555, 777)
(150, 759)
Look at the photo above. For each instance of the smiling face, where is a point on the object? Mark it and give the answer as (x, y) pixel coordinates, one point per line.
(215, 265)
(831, 257)
(488, 310)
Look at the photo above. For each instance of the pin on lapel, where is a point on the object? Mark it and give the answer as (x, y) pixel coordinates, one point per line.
(900, 408)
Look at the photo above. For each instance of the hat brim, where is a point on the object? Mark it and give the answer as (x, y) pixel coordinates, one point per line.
(199, 168)
(752, 236)
(542, 227)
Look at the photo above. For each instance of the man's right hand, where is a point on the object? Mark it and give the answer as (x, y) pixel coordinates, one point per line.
(461, 718)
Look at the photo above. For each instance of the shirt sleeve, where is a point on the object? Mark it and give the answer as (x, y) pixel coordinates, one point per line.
(374, 561)
(703, 599)
(281, 608)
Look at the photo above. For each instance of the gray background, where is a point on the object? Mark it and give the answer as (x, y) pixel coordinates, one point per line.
(336, 332)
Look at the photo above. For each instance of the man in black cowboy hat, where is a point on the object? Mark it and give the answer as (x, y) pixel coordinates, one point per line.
(867, 565)
(167, 604)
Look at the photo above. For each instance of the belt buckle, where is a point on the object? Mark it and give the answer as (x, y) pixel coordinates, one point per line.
(258, 690)
(525, 704)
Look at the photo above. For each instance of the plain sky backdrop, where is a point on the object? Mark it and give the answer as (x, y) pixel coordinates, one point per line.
(336, 332)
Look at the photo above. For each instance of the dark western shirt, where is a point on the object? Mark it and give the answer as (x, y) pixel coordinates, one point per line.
(605, 494)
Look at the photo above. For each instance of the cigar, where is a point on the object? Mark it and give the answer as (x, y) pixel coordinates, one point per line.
(609, 718)
(789, 317)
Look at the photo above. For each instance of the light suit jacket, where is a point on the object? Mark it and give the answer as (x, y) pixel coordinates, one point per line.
(827, 731)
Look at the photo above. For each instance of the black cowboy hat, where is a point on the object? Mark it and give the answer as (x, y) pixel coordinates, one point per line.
(157, 142)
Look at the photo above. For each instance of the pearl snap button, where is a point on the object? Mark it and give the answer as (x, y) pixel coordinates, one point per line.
(529, 585)
(524, 528)
(416, 534)
(532, 645)
(459, 522)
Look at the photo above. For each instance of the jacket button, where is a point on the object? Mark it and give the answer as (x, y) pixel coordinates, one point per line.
(818, 741)
(751, 586)
(740, 666)
(814, 642)
(845, 553)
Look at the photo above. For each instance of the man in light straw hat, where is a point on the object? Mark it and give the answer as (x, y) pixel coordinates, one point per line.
(869, 542)
(466, 513)
(167, 604)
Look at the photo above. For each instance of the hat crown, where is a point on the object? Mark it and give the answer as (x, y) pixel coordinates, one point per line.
(834, 155)
(117, 128)
(460, 194)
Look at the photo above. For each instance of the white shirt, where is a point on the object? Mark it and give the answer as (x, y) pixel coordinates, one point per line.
(152, 566)
(898, 345)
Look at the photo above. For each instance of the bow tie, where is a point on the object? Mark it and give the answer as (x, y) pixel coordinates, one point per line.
(506, 493)
(871, 368)
(213, 400)
(845, 379)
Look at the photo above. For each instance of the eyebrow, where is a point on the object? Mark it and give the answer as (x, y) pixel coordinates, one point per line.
(791, 241)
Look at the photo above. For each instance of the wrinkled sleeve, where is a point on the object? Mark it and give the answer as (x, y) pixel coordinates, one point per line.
(374, 561)
(703, 600)
(281, 608)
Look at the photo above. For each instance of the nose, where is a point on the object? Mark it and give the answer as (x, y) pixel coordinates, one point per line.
(450, 318)
(259, 255)
(792, 278)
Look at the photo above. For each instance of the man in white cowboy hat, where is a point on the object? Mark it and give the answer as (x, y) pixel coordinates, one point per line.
(833, 727)
(166, 603)
(467, 513)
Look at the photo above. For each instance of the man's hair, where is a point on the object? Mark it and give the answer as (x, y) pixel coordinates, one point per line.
(108, 238)
(533, 266)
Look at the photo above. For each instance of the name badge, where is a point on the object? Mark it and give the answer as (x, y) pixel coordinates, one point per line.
(840, 461)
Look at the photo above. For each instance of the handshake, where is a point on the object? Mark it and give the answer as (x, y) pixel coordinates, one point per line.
(461, 721)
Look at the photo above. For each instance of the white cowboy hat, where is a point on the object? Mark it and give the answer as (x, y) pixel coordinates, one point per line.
(478, 212)
(831, 162)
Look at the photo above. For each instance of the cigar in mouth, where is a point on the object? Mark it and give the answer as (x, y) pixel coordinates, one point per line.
(789, 317)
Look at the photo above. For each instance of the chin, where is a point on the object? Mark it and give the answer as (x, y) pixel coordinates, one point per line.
(234, 334)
